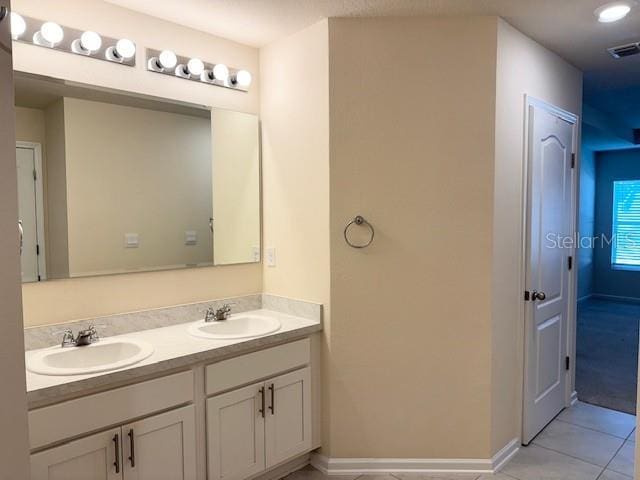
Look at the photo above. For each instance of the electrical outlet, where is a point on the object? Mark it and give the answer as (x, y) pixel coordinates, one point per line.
(131, 240)
(271, 256)
(190, 237)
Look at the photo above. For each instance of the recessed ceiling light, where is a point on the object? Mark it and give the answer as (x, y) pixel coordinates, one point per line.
(612, 12)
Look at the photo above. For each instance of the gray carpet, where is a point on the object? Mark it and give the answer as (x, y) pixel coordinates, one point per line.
(607, 354)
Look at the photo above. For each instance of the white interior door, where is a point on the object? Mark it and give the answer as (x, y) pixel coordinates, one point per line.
(96, 457)
(549, 226)
(27, 212)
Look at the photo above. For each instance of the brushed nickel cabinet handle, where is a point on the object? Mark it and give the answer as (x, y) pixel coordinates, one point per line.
(262, 401)
(272, 407)
(132, 448)
(116, 447)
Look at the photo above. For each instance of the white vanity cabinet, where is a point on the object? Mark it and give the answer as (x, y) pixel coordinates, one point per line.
(242, 417)
(94, 457)
(256, 427)
(161, 447)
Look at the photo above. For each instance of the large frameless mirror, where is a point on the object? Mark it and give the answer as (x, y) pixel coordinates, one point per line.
(113, 183)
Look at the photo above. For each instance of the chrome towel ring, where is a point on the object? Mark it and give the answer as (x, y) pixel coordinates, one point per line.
(359, 220)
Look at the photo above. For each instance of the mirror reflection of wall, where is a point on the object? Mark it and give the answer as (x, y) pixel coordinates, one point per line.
(110, 183)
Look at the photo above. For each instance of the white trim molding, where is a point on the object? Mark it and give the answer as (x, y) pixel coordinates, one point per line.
(574, 399)
(363, 466)
(616, 298)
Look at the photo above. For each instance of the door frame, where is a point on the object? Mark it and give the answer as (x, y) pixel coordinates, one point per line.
(40, 229)
(570, 393)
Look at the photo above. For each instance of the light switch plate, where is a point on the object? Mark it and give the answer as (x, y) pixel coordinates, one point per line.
(131, 240)
(190, 237)
(255, 253)
(271, 256)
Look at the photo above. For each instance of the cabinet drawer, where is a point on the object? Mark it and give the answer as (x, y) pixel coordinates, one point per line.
(101, 410)
(255, 366)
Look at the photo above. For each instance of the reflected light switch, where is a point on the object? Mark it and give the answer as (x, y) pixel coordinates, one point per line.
(190, 237)
(131, 240)
(255, 254)
(271, 256)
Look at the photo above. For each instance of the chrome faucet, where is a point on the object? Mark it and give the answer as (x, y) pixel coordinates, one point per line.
(222, 313)
(84, 338)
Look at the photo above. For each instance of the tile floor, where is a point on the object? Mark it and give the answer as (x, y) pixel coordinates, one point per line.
(585, 442)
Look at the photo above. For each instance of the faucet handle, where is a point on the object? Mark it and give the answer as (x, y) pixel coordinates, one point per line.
(68, 340)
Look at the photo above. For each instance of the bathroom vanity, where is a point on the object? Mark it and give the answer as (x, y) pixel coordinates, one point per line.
(115, 183)
(195, 408)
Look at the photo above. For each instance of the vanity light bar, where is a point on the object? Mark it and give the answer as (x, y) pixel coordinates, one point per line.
(167, 62)
(65, 39)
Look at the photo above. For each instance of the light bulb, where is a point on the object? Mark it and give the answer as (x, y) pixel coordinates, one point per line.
(612, 12)
(243, 78)
(167, 59)
(52, 33)
(91, 41)
(221, 72)
(125, 48)
(18, 25)
(195, 66)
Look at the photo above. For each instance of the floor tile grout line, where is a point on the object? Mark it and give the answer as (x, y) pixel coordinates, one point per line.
(575, 458)
(633, 432)
(612, 458)
(593, 429)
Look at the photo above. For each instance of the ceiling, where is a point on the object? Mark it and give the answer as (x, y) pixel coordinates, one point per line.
(567, 27)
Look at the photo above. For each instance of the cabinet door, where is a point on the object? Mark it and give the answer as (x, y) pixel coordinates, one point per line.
(288, 421)
(162, 447)
(235, 433)
(97, 457)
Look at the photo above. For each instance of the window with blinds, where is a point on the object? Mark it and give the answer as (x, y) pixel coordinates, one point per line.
(625, 251)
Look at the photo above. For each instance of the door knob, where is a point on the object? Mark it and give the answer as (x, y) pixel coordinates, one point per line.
(538, 295)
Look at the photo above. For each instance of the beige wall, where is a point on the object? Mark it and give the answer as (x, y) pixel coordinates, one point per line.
(295, 160)
(30, 125)
(62, 300)
(412, 108)
(523, 67)
(132, 170)
(55, 185)
(426, 141)
(14, 442)
(236, 186)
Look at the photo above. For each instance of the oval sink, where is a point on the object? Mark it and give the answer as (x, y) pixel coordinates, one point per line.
(101, 356)
(237, 326)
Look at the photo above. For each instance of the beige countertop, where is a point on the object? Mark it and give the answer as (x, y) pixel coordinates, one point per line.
(174, 349)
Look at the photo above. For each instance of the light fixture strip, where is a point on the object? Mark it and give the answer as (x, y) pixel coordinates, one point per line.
(71, 42)
(154, 64)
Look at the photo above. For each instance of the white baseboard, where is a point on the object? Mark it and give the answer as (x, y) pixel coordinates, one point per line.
(363, 466)
(574, 398)
(501, 458)
(616, 298)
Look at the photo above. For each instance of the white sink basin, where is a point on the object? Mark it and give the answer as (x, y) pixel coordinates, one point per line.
(101, 356)
(237, 326)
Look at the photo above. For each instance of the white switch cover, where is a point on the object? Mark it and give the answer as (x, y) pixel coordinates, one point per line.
(190, 237)
(271, 257)
(131, 240)
(255, 253)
